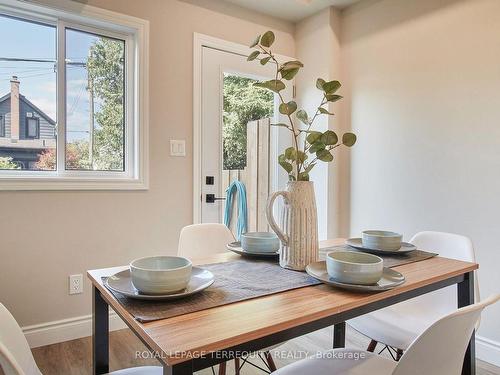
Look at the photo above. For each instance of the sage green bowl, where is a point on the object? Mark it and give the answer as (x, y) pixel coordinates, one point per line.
(353, 267)
(160, 274)
(260, 242)
(382, 240)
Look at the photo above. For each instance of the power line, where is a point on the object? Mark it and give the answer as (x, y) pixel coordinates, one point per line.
(27, 60)
(29, 71)
(76, 101)
(29, 76)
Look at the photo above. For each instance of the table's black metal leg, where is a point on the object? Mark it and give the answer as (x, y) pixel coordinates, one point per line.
(100, 333)
(184, 368)
(465, 290)
(339, 335)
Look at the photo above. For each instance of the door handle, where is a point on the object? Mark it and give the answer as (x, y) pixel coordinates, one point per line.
(211, 198)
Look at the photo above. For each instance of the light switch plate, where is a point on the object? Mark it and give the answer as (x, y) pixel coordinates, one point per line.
(177, 147)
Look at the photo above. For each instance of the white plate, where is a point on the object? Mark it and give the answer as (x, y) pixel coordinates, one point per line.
(357, 243)
(236, 247)
(121, 282)
(390, 279)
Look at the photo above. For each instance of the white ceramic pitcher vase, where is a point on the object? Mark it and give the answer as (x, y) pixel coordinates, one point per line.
(298, 230)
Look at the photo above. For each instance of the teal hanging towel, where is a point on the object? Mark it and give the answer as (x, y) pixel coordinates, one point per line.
(241, 224)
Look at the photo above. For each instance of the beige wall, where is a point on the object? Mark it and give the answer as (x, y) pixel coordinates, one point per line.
(424, 94)
(421, 83)
(48, 235)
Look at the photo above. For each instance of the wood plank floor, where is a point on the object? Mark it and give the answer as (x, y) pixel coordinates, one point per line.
(74, 357)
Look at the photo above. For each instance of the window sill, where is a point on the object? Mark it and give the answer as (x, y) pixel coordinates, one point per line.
(71, 183)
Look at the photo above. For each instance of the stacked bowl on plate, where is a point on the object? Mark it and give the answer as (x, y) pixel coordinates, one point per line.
(381, 242)
(160, 277)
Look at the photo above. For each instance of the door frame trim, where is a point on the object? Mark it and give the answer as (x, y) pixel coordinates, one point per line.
(200, 41)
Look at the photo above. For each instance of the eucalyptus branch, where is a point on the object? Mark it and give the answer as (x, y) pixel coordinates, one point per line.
(293, 130)
(293, 160)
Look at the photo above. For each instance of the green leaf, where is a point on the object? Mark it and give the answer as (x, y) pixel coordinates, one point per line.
(324, 155)
(255, 42)
(288, 74)
(349, 139)
(324, 111)
(292, 65)
(309, 167)
(267, 39)
(291, 177)
(290, 153)
(319, 83)
(301, 156)
(265, 60)
(329, 138)
(253, 55)
(333, 97)
(303, 176)
(302, 116)
(284, 164)
(317, 146)
(313, 136)
(273, 85)
(288, 108)
(331, 87)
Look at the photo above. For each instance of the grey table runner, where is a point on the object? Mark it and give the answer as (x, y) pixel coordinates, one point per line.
(389, 260)
(235, 281)
(241, 280)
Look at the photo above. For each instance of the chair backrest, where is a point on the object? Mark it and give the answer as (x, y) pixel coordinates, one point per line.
(440, 349)
(15, 353)
(198, 240)
(452, 246)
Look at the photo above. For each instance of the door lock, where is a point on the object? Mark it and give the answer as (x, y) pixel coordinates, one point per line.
(211, 198)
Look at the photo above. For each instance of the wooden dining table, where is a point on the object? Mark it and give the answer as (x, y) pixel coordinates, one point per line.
(194, 341)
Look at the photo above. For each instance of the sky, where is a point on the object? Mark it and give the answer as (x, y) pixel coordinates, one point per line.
(22, 39)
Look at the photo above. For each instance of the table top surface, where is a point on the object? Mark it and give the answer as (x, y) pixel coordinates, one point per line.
(225, 326)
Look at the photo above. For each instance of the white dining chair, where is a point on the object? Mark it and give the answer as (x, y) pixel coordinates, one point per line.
(16, 357)
(198, 240)
(397, 326)
(439, 350)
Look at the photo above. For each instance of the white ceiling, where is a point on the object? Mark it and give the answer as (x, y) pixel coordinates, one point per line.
(291, 10)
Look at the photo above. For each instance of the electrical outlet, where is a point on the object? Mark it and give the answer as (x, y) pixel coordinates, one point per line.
(76, 284)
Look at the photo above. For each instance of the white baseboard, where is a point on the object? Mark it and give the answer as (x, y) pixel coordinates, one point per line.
(488, 350)
(66, 329)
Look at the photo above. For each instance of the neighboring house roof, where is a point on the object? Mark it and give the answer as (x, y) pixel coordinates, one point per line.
(25, 100)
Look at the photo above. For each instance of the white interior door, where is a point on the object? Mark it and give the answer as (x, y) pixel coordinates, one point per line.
(216, 161)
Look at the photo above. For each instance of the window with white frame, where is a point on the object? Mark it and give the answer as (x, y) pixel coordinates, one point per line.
(2, 126)
(72, 98)
(32, 127)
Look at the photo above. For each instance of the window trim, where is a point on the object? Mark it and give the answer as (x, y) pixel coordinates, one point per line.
(27, 131)
(135, 32)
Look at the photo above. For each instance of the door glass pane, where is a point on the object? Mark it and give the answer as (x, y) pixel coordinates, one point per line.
(27, 95)
(242, 103)
(95, 125)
